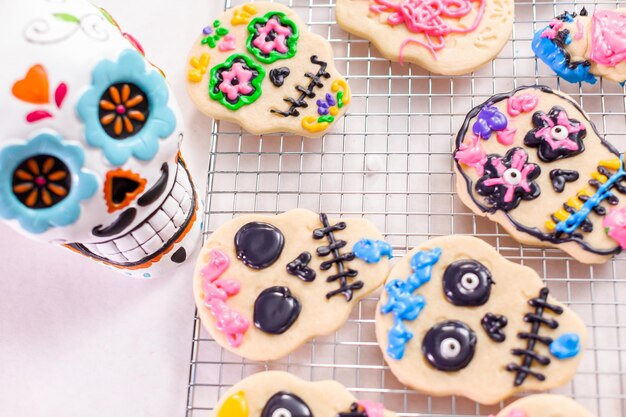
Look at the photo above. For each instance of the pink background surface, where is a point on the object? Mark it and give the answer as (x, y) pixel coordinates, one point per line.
(77, 339)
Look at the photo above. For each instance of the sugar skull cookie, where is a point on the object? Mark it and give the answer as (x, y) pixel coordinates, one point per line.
(265, 285)
(580, 47)
(89, 151)
(449, 37)
(544, 405)
(456, 318)
(532, 161)
(259, 67)
(280, 394)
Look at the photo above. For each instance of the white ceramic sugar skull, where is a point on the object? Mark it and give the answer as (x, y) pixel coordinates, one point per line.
(531, 160)
(456, 318)
(258, 66)
(89, 145)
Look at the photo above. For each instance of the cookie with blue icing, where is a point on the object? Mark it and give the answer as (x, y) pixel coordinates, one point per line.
(456, 318)
(264, 285)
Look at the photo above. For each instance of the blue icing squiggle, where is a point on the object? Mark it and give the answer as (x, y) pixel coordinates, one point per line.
(565, 346)
(572, 223)
(550, 53)
(403, 304)
(371, 251)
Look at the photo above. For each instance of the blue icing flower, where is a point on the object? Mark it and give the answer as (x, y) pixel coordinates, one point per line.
(42, 182)
(565, 346)
(126, 110)
(557, 59)
(489, 119)
(371, 251)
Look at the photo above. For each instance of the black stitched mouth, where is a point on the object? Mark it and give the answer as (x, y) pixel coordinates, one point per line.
(156, 234)
(529, 354)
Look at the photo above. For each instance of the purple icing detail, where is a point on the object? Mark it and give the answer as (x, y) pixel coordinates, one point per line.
(323, 106)
(207, 30)
(489, 119)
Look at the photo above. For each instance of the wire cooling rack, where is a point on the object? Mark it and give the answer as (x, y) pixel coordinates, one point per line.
(389, 160)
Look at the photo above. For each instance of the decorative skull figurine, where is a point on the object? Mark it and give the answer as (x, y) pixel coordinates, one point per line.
(456, 318)
(89, 151)
(532, 161)
(259, 67)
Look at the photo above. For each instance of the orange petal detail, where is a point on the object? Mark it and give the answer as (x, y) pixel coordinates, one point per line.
(45, 196)
(136, 115)
(125, 93)
(22, 188)
(117, 128)
(33, 166)
(115, 95)
(57, 176)
(107, 105)
(106, 120)
(57, 189)
(48, 164)
(134, 101)
(23, 175)
(32, 198)
(128, 125)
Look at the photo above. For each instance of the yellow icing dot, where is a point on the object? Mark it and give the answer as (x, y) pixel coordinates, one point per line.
(311, 124)
(342, 85)
(334, 111)
(561, 214)
(550, 225)
(613, 164)
(234, 406)
(599, 177)
(575, 203)
(200, 66)
(242, 15)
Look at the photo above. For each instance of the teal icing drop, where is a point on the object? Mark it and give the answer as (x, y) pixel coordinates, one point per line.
(371, 251)
(565, 346)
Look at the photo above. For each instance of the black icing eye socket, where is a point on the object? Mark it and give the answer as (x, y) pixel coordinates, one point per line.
(41, 181)
(275, 310)
(449, 346)
(467, 283)
(259, 245)
(284, 404)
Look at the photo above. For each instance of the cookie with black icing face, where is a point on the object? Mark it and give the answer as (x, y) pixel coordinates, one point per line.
(280, 394)
(532, 161)
(544, 405)
(264, 285)
(257, 65)
(581, 47)
(456, 318)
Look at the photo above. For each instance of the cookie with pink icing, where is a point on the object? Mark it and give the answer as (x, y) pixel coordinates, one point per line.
(258, 66)
(544, 405)
(581, 47)
(532, 161)
(280, 394)
(449, 37)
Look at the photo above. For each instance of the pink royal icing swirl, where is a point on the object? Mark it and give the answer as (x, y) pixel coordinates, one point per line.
(615, 223)
(472, 154)
(242, 85)
(216, 292)
(278, 42)
(563, 121)
(426, 16)
(522, 103)
(608, 42)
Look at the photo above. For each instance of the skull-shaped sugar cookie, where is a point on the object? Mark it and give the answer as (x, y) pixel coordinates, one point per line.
(259, 67)
(265, 285)
(280, 394)
(450, 37)
(532, 161)
(89, 148)
(544, 405)
(580, 47)
(456, 318)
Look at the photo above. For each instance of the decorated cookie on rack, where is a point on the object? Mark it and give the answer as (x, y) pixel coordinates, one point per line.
(544, 405)
(259, 67)
(448, 37)
(532, 161)
(89, 144)
(280, 394)
(579, 47)
(265, 285)
(456, 318)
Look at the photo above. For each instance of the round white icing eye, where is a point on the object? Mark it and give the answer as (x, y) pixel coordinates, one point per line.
(470, 281)
(450, 348)
(281, 412)
(512, 176)
(559, 132)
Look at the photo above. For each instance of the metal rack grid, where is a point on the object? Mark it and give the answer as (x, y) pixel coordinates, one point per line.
(389, 160)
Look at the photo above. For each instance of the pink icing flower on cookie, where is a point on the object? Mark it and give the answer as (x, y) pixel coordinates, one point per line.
(272, 37)
(555, 135)
(472, 154)
(615, 223)
(522, 103)
(236, 81)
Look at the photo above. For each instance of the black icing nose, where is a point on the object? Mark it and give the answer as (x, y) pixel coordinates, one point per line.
(449, 345)
(285, 404)
(493, 324)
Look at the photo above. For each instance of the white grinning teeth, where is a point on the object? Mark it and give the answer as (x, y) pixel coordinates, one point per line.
(150, 236)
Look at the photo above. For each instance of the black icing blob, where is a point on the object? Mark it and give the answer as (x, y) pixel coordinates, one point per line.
(285, 404)
(259, 245)
(299, 267)
(555, 135)
(560, 177)
(449, 346)
(278, 75)
(467, 283)
(493, 325)
(275, 310)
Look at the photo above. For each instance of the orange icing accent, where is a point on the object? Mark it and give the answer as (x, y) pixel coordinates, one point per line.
(130, 197)
(34, 87)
